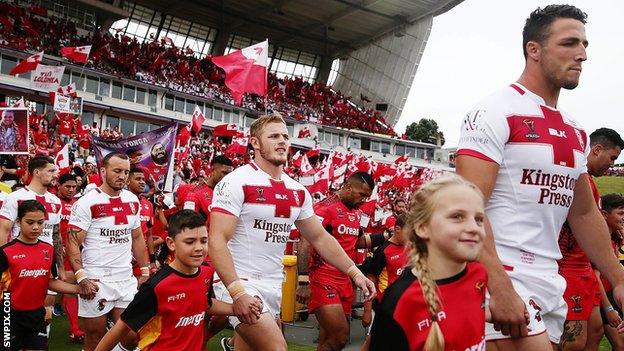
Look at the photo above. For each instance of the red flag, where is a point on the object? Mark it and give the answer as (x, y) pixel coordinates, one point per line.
(225, 130)
(401, 159)
(238, 146)
(184, 135)
(295, 160)
(198, 119)
(306, 168)
(29, 64)
(77, 53)
(62, 159)
(320, 186)
(315, 151)
(304, 132)
(69, 90)
(245, 70)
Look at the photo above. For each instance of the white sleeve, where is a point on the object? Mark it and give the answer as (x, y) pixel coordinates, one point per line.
(137, 217)
(9, 208)
(484, 133)
(80, 217)
(228, 197)
(56, 219)
(307, 209)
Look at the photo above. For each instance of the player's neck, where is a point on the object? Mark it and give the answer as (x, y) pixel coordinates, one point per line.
(272, 170)
(539, 85)
(182, 268)
(108, 190)
(37, 187)
(25, 240)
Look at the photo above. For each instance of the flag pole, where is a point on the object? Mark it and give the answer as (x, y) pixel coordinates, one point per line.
(266, 82)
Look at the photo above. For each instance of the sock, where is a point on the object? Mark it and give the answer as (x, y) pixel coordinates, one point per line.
(118, 347)
(70, 304)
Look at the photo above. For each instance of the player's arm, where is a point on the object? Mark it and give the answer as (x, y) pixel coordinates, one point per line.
(592, 234)
(370, 241)
(330, 250)
(613, 316)
(220, 308)
(5, 230)
(62, 287)
(508, 309)
(113, 336)
(75, 238)
(57, 243)
(367, 317)
(140, 254)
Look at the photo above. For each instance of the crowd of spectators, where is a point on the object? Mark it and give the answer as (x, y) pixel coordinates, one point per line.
(160, 63)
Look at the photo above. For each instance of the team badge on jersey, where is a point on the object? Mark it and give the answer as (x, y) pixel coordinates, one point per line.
(531, 133)
(479, 285)
(577, 304)
(46, 255)
(260, 197)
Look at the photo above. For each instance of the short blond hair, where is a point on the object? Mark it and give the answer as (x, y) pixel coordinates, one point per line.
(255, 130)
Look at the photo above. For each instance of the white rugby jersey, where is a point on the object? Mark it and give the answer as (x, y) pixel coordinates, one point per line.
(541, 152)
(108, 221)
(266, 211)
(51, 203)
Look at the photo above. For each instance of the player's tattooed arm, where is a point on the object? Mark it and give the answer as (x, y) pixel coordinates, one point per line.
(57, 242)
(75, 238)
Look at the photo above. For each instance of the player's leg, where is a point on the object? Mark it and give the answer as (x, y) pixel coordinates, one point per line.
(334, 327)
(530, 343)
(265, 335)
(616, 340)
(594, 330)
(574, 336)
(130, 341)
(94, 328)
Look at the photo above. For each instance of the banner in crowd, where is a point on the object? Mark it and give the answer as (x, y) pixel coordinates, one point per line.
(46, 77)
(68, 104)
(150, 151)
(14, 131)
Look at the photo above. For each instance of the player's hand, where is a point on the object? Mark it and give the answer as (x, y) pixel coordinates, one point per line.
(154, 267)
(613, 317)
(256, 306)
(618, 294)
(367, 286)
(87, 289)
(243, 309)
(303, 294)
(509, 313)
(367, 318)
(141, 280)
(62, 275)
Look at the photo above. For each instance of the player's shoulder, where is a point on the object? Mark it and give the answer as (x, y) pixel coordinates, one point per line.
(503, 101)
(240, 176)
(127, 195)
(52, 198)
(21, 194)
(330, 201)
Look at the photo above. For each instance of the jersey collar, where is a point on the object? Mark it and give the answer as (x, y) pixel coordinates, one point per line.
(522, 90)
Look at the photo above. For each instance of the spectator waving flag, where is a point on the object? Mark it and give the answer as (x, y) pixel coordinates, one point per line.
(27, 65)
(245, 70)
(225, 130)
(62, 159)
(77, 53)
(198, 119)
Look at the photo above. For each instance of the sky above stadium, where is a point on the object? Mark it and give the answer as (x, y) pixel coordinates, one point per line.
(476, 48)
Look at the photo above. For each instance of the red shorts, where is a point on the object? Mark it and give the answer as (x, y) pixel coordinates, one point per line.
(582, 294)
(331, 293)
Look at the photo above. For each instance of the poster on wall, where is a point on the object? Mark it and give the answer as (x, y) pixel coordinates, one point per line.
(68, 104)
(14, 131)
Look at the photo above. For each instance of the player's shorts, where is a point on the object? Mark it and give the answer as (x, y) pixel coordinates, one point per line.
(581, 295)
(110, 295)
(324, 293)
(543, 297)
(270, 292)
(28, 330)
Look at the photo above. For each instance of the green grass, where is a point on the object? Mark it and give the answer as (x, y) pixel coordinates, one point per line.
(59, 339)
(607, 185)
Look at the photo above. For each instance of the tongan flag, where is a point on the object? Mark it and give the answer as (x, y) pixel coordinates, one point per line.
(225, 130)
(77, 53)
(27, 65)
(62, 159)
(245, 70)
(198, 119)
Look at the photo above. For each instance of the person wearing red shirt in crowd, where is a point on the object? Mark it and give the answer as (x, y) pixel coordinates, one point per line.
(200, 198)
(398, 209)
(438, 303)
(92, 175)
(136, 185)
(28, 270)
(66, 190)
(84, 140)
(389, 260)
(331, 292)
(65, 122)
(583, 327)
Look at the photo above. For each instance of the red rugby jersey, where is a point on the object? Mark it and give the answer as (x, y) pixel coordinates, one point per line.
(66, 207)
(168, 311)
(574, 260)
(199, 200)
(344, 224)
(26, 271)
(147, 215)
(402, 320)
(389, 260)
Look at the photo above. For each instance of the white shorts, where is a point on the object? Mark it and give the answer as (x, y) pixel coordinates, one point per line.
(269, 292)
(110, 295)
(543, 297)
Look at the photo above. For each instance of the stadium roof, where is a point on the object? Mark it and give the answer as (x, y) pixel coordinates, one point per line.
(325, 27)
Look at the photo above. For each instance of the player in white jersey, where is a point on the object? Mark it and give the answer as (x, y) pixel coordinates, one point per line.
(106, 222)
(253, 211)
(529, 159)
(42, 170)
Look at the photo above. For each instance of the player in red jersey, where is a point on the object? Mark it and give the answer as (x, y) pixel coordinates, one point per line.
(583, 327)
(331, 291)
(27, 268)
(66, 191)
(168, 311)
(389, 261)
(438, 304)
(136, 185)
(398, 209)
(199, 198)
(253, 211)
